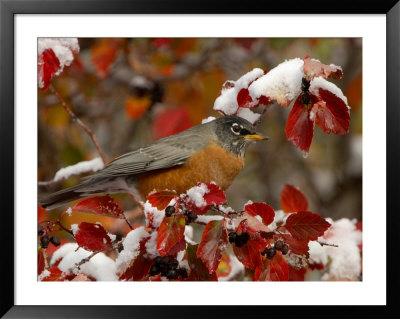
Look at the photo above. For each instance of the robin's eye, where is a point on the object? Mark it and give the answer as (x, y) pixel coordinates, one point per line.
(235, 128)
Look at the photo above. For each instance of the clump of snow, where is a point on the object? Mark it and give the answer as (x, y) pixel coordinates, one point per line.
(196, 194)
(182, 263)
(131, 248)
(69, 211)
(189, 235)
(236, 268)
(63, 48)
(280, 218)
(248, 115)
(153, 216)
(320, 83)
(208, 119)
(100, 267)
(227, 101)
(81, 167)
(112, 236)
(45, 273)
(282, 83)
(342, 262)
(74, 228)
(208, 218)
(151, 246)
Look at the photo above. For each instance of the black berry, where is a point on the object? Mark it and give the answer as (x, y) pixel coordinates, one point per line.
(158, 260)
(279, 244)
(164, 269)
(190, 216)
(172, 274)
(169, 211)
(40, 230)
(154, 270)
(242, 239)
(232, 236)
(173, 264)
(55, 241)
(305, 84)
(182, 272)
(44, 241)
(285, 249)
(166, 260)
(270, 252)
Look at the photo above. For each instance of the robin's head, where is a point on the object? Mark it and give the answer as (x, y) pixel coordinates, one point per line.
(235, 134)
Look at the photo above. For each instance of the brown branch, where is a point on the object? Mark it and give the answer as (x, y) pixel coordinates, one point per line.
(75, 119)
(85, 260)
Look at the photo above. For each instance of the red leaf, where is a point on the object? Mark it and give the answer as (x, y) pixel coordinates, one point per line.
(292, 200)
(306, 225)
(298, 247)
(101, 205)
(161, 42)
(213, 244)
(332, 114)
(92, 237)
(198, 270)
(161, 199)
(299, 126)
(42, 214)
(171, 121)
(214, 195)
(243, 98)
(170, 233)
(48, 66)
(276, 269)
(314, 68)
(250, 253)
(179, 246)
(263, 210)
(55, 275)
(138, 270)
(296, 274)
(41, 262)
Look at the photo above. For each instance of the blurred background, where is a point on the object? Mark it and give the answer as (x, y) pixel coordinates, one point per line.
(131, 92)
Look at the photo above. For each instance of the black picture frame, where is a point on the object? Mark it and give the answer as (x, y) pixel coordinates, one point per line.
(8, 10)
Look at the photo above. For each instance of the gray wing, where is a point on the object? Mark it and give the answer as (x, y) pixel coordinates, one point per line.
(168, 152)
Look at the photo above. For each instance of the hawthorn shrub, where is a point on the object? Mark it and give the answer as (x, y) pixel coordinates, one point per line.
(256, 243)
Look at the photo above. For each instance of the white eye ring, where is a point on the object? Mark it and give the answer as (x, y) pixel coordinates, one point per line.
(235, 128)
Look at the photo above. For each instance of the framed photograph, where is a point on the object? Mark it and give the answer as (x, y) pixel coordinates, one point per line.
(152, 146)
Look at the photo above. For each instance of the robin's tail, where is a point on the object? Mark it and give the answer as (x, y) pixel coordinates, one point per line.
(61, 197)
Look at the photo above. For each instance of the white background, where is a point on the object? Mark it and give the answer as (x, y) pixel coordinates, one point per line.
(373, 288)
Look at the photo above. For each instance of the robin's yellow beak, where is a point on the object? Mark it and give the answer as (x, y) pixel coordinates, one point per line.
(256, 137)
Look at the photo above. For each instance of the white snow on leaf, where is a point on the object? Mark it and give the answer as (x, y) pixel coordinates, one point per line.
(74, 228)
(208, 218)
(78, 168)
(100, 267)
(208, 119)
(151, 246)
(131, 248)
(280, 218)
(153, 216)
(196, 194)
(342, 262)
(320, 83)
(63, 48)
(282, 83)
(248, 115)
(45, 273)
(189, 235)
(227, 101)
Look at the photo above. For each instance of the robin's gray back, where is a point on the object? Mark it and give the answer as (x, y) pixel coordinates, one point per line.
(167, 152)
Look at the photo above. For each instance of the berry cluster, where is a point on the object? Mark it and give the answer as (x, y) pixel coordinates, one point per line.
(190, 216)
(279, 245)
(238, 239)
(45, 239)
(168, 267)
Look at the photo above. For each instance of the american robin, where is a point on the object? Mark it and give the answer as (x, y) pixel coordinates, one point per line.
(208, 152)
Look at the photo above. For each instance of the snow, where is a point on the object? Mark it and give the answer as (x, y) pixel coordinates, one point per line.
(196, 194)
(154, 217)
(320, 82)
(280, 218)
(100, 267)
(74, 228)
(342, 262)
(151, 246)
(131, 248)
(248, 115)
(69, 211)
(282, 83)
(227, 101)
(208, 218)
(45, 273)
(63, 48)
(81, 167)
(236, 268)
(189, 235)
(208, 119)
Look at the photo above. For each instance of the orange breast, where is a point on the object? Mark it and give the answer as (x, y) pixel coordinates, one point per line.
(213, 164)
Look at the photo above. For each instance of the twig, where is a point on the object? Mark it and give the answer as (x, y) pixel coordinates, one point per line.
(127, 221)
(74, 118)
(326, 244)
(85, 260)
